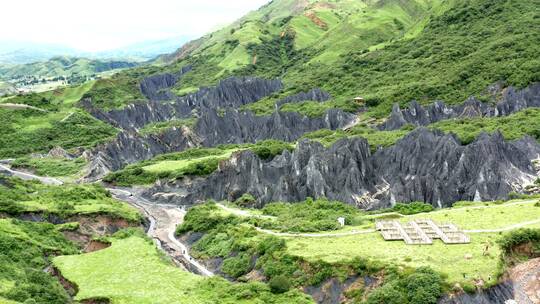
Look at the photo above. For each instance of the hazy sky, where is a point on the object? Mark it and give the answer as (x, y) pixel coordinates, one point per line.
(95, 25)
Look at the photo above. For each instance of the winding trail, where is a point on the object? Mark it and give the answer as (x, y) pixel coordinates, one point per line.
(27, 176)
(245, 213)
(163, 222)
(508, 228)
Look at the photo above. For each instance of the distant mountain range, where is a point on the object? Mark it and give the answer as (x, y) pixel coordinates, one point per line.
(15, 52)
(63, 66)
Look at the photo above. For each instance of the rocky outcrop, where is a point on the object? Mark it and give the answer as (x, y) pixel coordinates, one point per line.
(129, 147)
(157, 87)
(59, 152)
(243, 127)
(210, 130)
(312, 95)
(311, 170)
(498, 294)
(426, 166)
(511, 101)
(232, 92)
(434, 167)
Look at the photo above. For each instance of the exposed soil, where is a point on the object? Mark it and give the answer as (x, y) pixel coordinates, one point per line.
(526, 278)
(95, 245)
(315, 19)
(323, 5)
(70, 287)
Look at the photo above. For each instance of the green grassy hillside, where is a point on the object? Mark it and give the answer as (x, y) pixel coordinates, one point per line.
(387, 51)
(327, 249)
(62, 66)
(132, 270)
(59, 123)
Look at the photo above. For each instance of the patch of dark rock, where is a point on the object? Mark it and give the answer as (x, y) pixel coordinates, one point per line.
(214, 265)
(231, 92)
(497, 294)
(333, 290)
(315, 94)
(511, 101)
(211, 129)
(191, 238)
(427, 166)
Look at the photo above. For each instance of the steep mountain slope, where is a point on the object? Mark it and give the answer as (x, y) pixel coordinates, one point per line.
(386, 51)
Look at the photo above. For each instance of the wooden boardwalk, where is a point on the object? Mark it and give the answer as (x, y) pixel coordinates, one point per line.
(421, 232)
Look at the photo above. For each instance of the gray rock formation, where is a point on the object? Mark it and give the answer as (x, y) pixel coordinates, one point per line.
(432, 167)
(231, 92)
(210, 130)
(424, 166)
(511, 101)
(157, 87)
(312, 95)
(129, 147)
(242, 127)
(498, 294)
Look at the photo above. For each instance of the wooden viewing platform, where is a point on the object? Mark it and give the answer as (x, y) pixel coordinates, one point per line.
(421, 232)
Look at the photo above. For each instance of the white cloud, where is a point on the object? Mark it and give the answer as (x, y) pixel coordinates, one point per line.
(106, 24)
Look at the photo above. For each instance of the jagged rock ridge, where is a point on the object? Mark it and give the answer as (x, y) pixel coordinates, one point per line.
(424, 166)
(233, 127)
(231, 92)
(212, 128)
(157, 87)
(512, 100)
(312, 95)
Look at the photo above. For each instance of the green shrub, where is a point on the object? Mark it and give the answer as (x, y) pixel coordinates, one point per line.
(246, 200)
(50, 166)
(518, 237)
(412, 208)
(279, 284)
(203, 218)
(423, 286)
(387, 294)
(268, 149)
(24, 247)
(237, 266)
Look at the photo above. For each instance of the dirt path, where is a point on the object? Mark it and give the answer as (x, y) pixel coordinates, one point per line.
(508, 228)
(18, 106)
(163, 222)
(245, 213)
(27, 176)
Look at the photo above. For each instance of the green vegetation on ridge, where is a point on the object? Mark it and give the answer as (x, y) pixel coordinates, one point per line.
(388, 51)
(19, 197)
(191, 162)
(50, 166)
(24, 251)
(61, 124)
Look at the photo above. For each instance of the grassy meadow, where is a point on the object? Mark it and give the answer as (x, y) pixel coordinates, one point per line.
(454, 262)
(132, 270)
